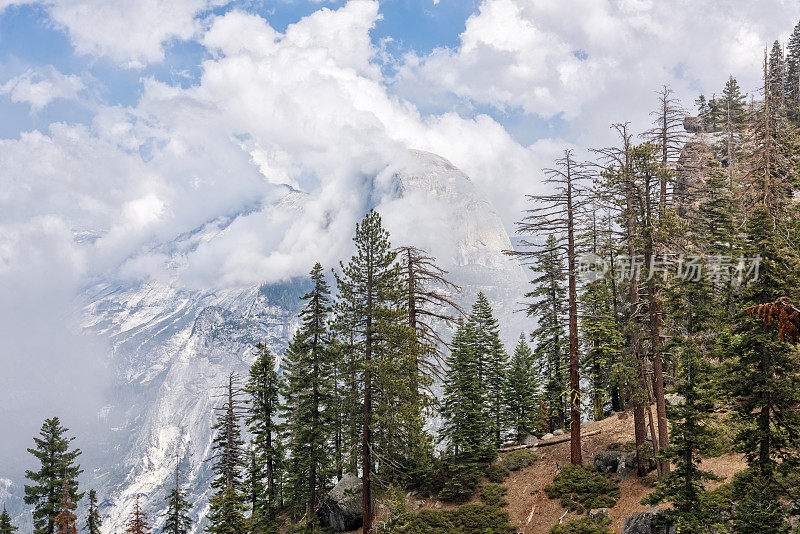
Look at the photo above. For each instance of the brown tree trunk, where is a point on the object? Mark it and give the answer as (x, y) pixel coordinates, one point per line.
(366, 439)
(575, 400)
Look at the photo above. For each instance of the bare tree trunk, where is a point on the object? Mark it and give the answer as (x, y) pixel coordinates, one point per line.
(575, 400)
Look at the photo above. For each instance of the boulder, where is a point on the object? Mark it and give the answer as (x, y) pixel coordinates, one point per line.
(341, 510)
(559, 432)
(692, 125)
(644, 523)
(528, 439)
(595, 514)
(547, 436)
(606, 462)
(626, 464)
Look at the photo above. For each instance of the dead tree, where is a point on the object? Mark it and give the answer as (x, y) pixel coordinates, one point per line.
(560, 213)
(619, 193)
(669, 135)
(428, 292)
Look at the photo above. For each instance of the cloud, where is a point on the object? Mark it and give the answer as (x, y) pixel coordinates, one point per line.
(39, 87)
(131, 33)
(595, 62)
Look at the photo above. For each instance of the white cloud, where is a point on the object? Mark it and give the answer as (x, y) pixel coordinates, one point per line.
(310, 108)
(132, 33)
(39, 87)
(597, 61)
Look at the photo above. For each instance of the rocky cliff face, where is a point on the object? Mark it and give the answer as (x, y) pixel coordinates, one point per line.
(171, 347)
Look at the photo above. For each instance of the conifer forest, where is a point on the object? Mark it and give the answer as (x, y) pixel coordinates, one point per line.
(655, 388)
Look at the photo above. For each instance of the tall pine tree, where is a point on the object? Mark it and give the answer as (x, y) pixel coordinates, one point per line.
(263, 387)
(93, 520)
(522, 393)
(368, 298)
(176, 518)
(6, 527)
(310, 402)
(227, 505)
(57, 464)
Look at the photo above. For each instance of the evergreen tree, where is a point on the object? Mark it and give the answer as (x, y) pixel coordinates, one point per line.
(57, 465)
(463, 410)
(227, 504)
(793, 75)
(777, 77)
(492, 362)
(522, 394)
(137, 520)
(263, 387)
(369, 302)
(93, 521)
(734, 102)
(5, 523)
(547, 306)
(66, 518)
(692, 305)
(176, 518)
(310, 402)
(702, 111)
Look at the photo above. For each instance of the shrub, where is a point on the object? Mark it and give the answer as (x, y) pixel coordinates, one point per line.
(584, 525)
(516, 460)
(496, 472)
(580, 489)
(460, 482)
(468, 519)
(492, 494)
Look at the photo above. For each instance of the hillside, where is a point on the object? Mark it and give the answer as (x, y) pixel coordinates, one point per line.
(532, 512)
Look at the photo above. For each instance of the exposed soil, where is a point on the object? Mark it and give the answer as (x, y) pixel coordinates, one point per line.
(534, 513)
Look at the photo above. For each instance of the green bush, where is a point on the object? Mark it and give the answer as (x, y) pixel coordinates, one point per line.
(467, 519)
(584, 525)
(518, 459)
(496, 472)
(580, 489)
(493, 495)
(460, 482)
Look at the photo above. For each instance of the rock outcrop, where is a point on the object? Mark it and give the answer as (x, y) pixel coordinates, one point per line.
(645, 523)
(340, 510)
(606, 462)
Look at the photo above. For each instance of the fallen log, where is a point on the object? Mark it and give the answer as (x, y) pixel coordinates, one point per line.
(551, 441)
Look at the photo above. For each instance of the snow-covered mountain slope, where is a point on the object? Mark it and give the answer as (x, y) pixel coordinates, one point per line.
(172, 347)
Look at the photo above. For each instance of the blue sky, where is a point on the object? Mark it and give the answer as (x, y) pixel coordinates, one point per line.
(29, 38)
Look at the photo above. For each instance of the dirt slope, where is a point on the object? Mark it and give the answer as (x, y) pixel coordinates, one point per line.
(533, 513)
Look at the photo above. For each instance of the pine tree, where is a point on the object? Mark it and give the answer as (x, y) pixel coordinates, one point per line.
(777, 77)
(561, 214)
(369, 300)
(492, 365)
(522, 393)
(66, 518)
(176, 518)
(263, 387)
(57, 465)
(767, 368)
(793, 75)
(702, 111)
(692, 304)
(547, 306)
(310, 402)
(463, 410)
(93, 520)
(227, 504)
(137, 520)
(5, 523)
